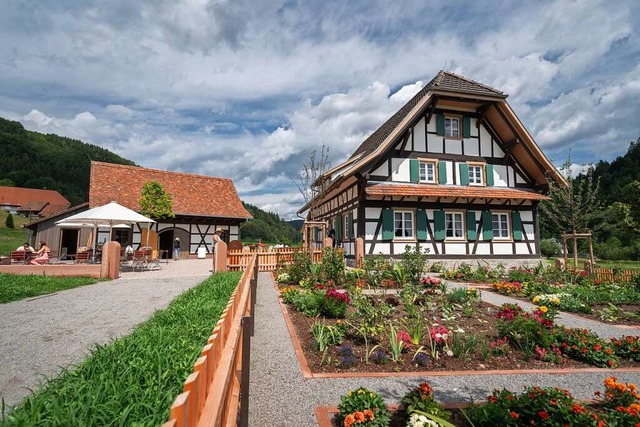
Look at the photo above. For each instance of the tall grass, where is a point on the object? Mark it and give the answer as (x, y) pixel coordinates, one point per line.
(133, 380)
(14, 287)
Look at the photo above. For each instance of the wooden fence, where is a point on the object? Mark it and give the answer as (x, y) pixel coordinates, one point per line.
(268, 260)
(217, 392)
(614, 275)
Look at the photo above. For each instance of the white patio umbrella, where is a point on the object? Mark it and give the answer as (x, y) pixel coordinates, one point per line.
(110, 215)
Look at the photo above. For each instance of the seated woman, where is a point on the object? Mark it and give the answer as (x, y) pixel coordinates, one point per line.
(42, 255)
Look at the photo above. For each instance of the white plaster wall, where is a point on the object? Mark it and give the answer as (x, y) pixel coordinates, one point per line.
(485, 142)
(398, 247)
(379, 248)
(499, 175)
(502, 248)
(474, 129)
(456, 249)
(522, 249)
(400, 170)
(512, 179)
(528, 229)
(520, 179)
(373, 213)
(497, 152)
(526, 215)
(471, 147)
(382, 170)
(483, 249)
(431, 127)
(434, 143)
(419, 137)
(449, 172)
(453, 146)
(369, 230)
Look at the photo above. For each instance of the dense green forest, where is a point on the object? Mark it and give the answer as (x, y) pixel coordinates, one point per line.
(616, 222)
(35, 160)
(268, 227)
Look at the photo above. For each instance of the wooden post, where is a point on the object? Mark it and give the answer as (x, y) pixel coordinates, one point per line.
(110, 264)
(575, 250)
(359, 252)
(243, 413)
(565, 249)
(593, 260)
(220, 257)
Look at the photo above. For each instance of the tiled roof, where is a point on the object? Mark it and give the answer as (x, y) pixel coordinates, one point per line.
(424, 190)
(34, 199)
(454, 83)
(80, 207)
(194, 195)
(445, 81)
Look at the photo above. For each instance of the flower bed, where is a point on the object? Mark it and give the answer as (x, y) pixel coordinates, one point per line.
(436, 329)
(619, 405)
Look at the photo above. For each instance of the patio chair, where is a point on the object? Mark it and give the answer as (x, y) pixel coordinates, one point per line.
(53, 257)
(18, 257)
(139, 260)
(153, 261)
(82, 257)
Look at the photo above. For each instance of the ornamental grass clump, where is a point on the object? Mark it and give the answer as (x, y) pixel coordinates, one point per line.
(362, 408)
(133, 380)
(422, 409)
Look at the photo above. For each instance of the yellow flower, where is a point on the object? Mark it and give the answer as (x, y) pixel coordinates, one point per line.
(544, 309)
(556, 300)
(361, 391)
(536, 299)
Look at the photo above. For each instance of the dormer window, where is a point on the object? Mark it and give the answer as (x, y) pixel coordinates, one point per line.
(452, 127)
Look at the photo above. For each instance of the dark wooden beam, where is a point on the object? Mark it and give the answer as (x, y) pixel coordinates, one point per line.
(510, 146)
(482, 110)
(404, 141)
(431, 109)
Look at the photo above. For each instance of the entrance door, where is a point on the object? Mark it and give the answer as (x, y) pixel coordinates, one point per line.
(69, 242)
(166, 242)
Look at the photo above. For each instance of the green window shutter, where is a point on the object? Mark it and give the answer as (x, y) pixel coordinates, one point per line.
(489, 172)
(464, 173)
(442, 173)
(471, 226)
(414, 176)
(517, 226)
(440, 124)
(421, 224)
(466, 127)
(350, 225)
(387, 224)
(338, 227)
(439, 231)
(487, 226)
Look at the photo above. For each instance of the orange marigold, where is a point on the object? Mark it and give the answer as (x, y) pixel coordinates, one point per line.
(349, 420)
(359, 416)
(369, 415)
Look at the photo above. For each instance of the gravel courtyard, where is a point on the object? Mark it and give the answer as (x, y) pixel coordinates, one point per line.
(40, 334)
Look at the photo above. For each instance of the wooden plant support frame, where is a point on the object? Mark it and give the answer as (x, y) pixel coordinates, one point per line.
(575, 236)
(216, 393)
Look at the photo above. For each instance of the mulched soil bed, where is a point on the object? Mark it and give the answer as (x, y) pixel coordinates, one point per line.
(481, 322)
(622, 319)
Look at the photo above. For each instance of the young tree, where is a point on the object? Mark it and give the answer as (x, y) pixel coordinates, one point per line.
(308, 183)
(9, 221)
(155, 202)
(574, 207)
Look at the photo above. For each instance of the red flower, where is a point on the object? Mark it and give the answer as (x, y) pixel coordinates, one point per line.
(493, 399)
(543, 414)
(515, 415)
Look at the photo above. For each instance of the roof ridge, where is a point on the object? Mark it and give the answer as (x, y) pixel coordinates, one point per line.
(437, 80)
(162, 170)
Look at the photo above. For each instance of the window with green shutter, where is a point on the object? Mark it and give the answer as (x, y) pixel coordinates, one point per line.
(338, 227)
(414, 166)
(438, 226)
(421, 224)
(387, 224)
(350, 225)
(471, 226)
(464, 173)
(487, 226)
(517, 226)
(489, 173)
(442, 172)
(440, 124)
(466, 127)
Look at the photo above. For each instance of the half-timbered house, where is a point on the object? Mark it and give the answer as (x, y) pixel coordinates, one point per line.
(454, 171)
(201, 205)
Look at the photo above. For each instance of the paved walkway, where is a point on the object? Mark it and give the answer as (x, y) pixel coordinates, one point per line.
(281, 396)
(40, 334)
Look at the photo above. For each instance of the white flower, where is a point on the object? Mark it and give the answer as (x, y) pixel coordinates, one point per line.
(449, 353)
(460, 330)
(438, 335)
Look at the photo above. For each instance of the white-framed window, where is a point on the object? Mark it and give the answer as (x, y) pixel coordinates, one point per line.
(501, 228)
(454, 225)
(427, 171)
(476, 174)
(452, 127)
(403, 224)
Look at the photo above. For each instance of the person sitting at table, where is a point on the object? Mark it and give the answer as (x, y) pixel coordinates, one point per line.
(25, 248)
(42, 255)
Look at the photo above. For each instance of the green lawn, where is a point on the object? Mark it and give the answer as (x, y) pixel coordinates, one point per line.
(10, 239)
(622, 265)
(134, 379)
(14, 287)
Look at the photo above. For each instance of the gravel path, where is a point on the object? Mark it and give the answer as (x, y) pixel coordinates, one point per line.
(281, 396)
(40, 334)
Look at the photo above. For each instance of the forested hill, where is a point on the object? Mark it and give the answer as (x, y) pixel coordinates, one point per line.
(268, 227)
(35, 160)
(617, 177)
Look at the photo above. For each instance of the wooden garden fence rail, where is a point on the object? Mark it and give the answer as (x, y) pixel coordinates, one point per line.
(217, 392)
(614, 275)
(267, 260)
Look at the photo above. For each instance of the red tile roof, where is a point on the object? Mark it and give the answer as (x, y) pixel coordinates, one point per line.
(194, 195)
(425, 190)
(43, 202)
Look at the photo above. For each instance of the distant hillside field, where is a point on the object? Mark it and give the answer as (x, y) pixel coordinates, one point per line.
(35, 160)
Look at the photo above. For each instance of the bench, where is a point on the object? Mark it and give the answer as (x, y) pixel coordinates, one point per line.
(18, 256)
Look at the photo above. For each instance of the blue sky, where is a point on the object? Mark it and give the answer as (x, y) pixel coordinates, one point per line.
(246, 88)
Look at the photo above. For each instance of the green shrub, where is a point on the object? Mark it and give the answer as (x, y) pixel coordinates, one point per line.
(550, 247)
(333, 266)
(9, 221)
(414, 260)
(308, 302)
(300, 268)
